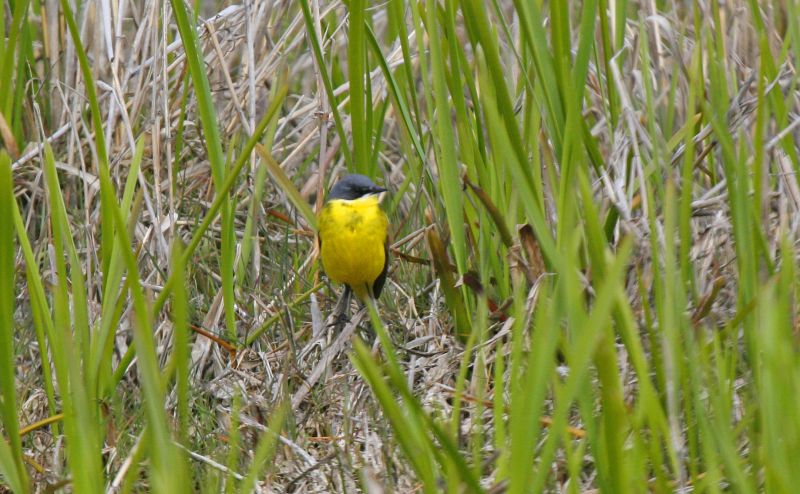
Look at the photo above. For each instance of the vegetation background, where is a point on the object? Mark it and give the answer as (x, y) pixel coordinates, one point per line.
(594, 212)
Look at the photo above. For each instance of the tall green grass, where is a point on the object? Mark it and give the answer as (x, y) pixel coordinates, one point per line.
(11, 463)
(550, 157)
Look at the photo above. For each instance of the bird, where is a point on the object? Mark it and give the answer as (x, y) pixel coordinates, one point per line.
(352, 235)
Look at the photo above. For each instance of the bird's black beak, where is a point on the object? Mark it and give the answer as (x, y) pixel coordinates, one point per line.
(378, 191)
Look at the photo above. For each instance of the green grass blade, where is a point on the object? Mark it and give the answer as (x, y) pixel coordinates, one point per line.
(445, 147)
(103, 342)
(107, 195)
(316, 48)
(358, 70)
(266, 448)
(168, 468)
(80, 412)
(180, 320)
(410, 434)
(288, 187)
(205, 105)
(10, 453)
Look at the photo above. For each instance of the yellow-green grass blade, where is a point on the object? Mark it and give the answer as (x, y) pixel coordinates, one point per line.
(419, 427)
(528, 384)
(357, 71)
(15, 55)
(407, 429)
(103, 341)
(81, 415)
(266, 448)
(107, 194)
(286, 185)
(444, 143)
(234, 443)
(180, 321)
(250, 241)
(208, 116)
(525, 188)
(534, 37)
(168, 468)
(316, 48)
(40, 311)
(396, 13)
(780, 379)
(590, 330)
(11, 463)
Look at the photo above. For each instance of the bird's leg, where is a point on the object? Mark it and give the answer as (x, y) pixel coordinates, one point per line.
(341, 312)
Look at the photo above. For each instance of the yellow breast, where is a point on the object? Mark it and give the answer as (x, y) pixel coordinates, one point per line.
(353, 236)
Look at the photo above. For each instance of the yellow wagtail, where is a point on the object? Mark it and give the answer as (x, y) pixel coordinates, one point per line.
(353, 238)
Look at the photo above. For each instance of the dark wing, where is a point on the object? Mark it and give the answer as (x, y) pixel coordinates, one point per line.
(377, 286)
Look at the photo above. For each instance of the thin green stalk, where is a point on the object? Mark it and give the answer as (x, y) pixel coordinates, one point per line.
(11, 464)
(208, 116)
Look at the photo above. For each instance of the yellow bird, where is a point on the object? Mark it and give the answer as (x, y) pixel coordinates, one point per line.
(353, 237)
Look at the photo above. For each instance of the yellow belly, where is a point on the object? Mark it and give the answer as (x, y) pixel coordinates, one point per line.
(353, 235)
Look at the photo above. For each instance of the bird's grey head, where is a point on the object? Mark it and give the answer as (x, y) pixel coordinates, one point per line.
(354, 186)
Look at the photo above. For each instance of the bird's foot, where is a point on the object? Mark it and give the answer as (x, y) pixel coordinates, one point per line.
(339, 320)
